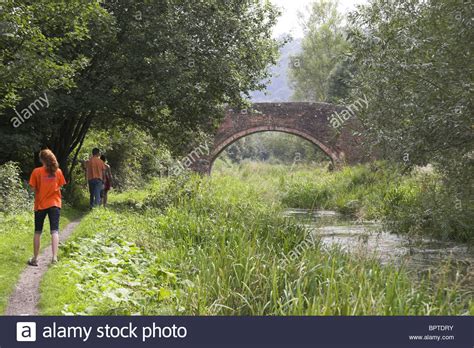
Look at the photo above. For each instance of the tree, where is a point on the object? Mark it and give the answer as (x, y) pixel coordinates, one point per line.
(167, 66)
(40, 57)
(322, 48)
(413, 65)
(30, 57)
(339, 81)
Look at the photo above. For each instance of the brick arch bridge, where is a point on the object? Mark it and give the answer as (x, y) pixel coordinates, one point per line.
(311, 121)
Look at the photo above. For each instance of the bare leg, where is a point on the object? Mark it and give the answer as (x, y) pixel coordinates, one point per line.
(54, 245)
(36, 245)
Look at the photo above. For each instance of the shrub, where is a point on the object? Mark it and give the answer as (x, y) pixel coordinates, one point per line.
(76, 195)
(134, 156)
(13, 195)
(173, 190)
(425, 205)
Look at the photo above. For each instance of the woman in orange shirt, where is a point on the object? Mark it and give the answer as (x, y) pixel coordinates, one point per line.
(47, 181)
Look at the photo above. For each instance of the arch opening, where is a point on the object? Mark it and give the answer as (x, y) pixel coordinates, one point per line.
(221, 147)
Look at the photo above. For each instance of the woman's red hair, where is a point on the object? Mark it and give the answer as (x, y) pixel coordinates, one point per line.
(49, 160)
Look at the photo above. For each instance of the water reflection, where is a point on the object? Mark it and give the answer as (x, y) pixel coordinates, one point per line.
(368, 238)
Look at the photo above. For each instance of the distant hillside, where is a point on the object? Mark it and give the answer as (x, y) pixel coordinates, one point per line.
(278, 90)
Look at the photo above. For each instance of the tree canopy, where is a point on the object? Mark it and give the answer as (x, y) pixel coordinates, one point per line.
(322, 51)
(414, 65)
(167, 66)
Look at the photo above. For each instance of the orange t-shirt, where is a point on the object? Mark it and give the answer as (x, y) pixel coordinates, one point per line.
(95, 168)
(47, 188)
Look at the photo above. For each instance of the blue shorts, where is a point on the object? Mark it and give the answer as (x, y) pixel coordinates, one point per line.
(53, 213)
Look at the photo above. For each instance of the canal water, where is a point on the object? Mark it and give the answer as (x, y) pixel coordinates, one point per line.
(418, 255)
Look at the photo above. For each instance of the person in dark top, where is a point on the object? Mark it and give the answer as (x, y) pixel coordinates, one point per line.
(107, 180)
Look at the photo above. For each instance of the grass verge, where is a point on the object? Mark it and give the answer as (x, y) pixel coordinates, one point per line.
(16, 246)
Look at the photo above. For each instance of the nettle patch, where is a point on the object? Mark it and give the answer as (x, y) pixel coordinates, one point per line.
(118, 278)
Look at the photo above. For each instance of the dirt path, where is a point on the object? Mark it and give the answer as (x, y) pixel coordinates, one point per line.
(26, 296)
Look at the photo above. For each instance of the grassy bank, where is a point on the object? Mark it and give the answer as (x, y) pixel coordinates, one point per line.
(16, 246)
(216, 246)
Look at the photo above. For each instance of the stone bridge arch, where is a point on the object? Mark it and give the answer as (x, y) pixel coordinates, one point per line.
(329, 127)
(219, 148)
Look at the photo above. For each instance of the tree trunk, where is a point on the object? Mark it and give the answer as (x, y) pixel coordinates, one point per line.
(69, 140)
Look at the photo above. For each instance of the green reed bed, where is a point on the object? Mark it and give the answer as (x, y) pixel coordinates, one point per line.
(214, 246)
(415, 203)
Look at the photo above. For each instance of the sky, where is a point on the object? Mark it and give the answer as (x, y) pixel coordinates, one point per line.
(288, 22)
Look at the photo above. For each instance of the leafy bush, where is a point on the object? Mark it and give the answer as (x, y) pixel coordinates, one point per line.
(133, 154)
(76, 196)
(13, 195)
(423, 205)
(173, 190)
